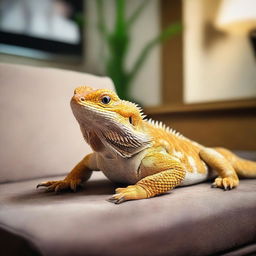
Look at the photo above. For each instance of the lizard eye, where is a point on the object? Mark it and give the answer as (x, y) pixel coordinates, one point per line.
(105, 99)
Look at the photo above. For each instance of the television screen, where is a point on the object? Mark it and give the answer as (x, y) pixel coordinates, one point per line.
(48, 26)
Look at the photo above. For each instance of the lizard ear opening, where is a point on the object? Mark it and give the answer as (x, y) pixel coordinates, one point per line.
(133, 120)
(130, 120)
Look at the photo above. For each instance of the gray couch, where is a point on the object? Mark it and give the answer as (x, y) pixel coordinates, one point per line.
(40, 139)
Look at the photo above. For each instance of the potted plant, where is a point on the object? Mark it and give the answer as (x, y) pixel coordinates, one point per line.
(117, 43)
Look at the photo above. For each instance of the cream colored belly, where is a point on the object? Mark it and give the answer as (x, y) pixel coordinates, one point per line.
(194, 177)
(120, 170)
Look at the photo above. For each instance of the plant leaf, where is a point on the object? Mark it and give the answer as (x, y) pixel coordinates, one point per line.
(101, 25)
(132, 19)
(168, 32)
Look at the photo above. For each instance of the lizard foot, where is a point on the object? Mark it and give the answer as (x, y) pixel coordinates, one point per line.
(132, 192)
(59, 185)
(227, 183)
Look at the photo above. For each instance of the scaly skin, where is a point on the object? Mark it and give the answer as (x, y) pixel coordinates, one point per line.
(151, 158)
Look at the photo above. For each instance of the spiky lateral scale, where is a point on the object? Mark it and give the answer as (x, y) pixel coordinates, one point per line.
(167, 129)
(179, 147)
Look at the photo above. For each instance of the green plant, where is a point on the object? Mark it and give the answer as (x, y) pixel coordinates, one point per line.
(117, 43)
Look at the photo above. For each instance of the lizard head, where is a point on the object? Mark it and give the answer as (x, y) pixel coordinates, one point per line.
(117, 123)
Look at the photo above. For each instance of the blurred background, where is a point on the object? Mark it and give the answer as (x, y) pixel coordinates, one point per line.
(182, 59)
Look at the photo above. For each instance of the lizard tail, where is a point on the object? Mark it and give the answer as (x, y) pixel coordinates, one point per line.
(244, 168)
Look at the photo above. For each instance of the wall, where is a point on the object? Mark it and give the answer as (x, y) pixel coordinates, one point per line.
(217, 66)
(146, 88)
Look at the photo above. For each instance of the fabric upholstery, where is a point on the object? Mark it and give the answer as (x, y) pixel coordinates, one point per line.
(38, 133)
(194, 220)
(40, 137)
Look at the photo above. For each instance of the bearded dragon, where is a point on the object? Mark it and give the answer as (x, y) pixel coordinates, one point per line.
(146, 155)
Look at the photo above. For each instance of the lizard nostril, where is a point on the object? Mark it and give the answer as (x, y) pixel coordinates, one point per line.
(82, 99)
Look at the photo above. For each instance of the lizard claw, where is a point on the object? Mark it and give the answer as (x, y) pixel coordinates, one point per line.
(226, 184)
(116, 199)
(45, 184)
(49, 189)
(130, 193)
(60, 185)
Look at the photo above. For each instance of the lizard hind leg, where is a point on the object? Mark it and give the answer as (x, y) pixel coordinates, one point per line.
(243, 167)
(227, 177)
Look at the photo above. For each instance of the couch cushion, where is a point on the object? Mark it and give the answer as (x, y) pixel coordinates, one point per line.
(38, 133)
(194, 220)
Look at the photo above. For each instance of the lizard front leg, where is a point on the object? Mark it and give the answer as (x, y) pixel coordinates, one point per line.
(168, 174)
(79, 174)
(227, 178)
